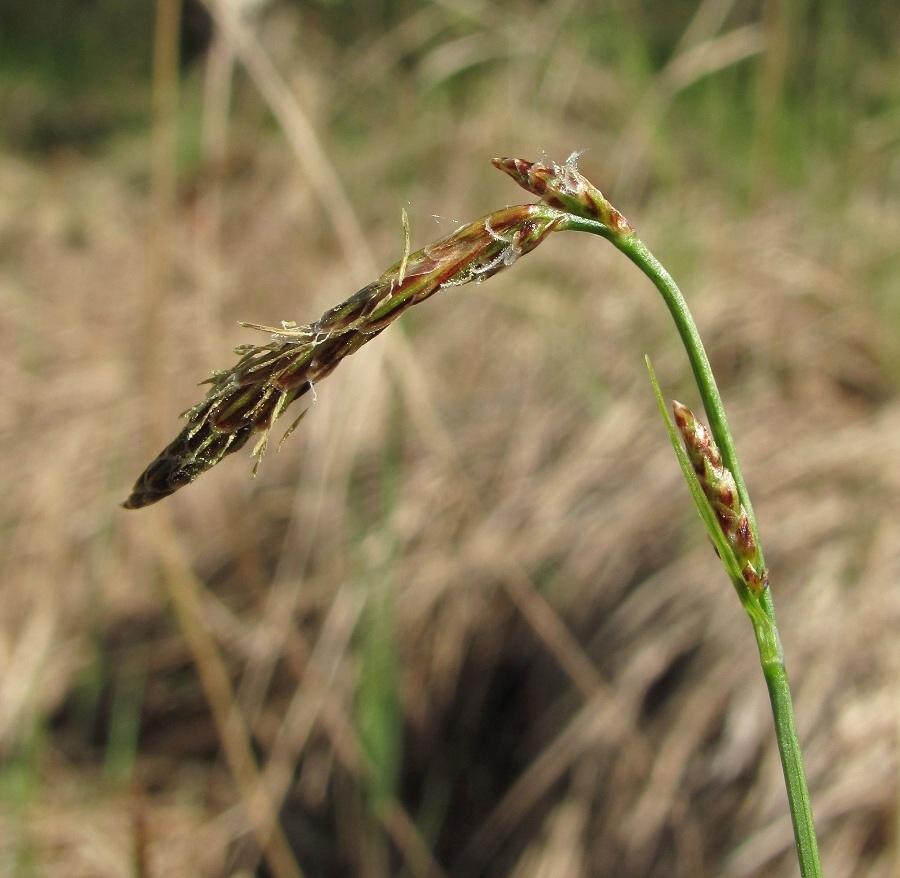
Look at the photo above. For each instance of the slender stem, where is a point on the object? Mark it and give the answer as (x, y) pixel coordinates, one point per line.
(761, 610)
(792, 765)
(635, 249)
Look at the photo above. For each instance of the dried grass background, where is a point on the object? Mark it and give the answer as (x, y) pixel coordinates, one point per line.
(476, 556)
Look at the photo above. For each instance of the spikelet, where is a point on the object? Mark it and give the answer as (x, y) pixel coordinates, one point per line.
(720, 489)
(563, 187)
(248, 398)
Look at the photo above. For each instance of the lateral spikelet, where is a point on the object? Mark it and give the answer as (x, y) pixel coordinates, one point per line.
(720, 489)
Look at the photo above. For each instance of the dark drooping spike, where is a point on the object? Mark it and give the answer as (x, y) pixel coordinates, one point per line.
(251, 396)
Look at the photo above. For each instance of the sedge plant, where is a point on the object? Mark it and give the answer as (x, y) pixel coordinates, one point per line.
(247, 399)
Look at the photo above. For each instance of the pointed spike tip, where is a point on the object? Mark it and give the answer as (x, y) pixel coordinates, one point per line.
(683, 415)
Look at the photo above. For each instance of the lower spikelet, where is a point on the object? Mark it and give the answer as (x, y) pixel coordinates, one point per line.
(721, 490)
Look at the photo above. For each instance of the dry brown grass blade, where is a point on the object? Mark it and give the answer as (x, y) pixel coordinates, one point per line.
(209, 265)
(545, 622)
(559, 850)
(662, 787)
(315, 680)
(299, 132)
(148, 342)
(393, 817)
(599, 720)
(184, 590)
(276, 627)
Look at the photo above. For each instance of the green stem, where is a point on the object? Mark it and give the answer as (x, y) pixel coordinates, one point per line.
(635, 249)
(792, 765)
(761, 610)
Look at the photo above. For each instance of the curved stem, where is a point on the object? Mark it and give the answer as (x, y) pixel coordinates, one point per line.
(761, 609)
(635, 249)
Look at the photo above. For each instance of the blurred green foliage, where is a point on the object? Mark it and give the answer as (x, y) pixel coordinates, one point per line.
(827, 85)
(71, 45)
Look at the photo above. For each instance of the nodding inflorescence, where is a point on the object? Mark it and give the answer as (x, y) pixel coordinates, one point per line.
(251, 396)
(248, 398)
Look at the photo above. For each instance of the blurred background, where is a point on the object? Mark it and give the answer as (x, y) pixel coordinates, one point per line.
(466, 622)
